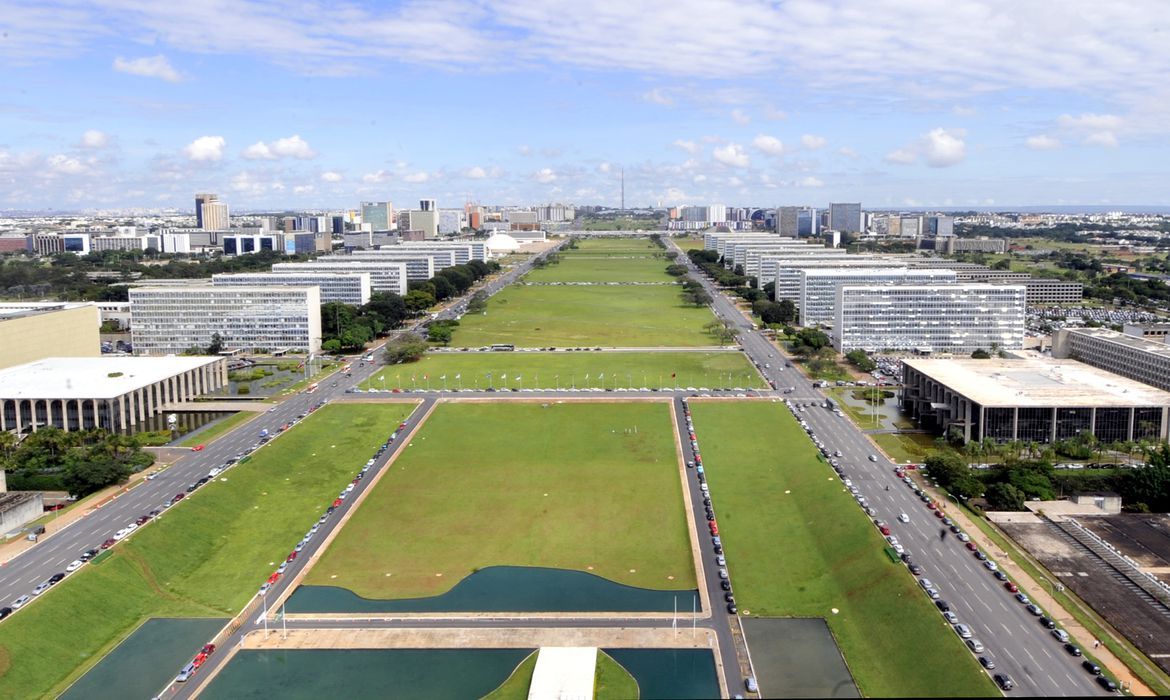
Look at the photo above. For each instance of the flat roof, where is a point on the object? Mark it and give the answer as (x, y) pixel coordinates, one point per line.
(1036, 381)
(1152, 347)
(89, 377)
(33, 308)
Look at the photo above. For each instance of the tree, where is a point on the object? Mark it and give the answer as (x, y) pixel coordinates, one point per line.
(1001, 496)
(723, 331)
(696, 296)
(216, 345)
(860, 360)
(946, 467)
(439, 333)
(86, 473)
(676, 270)
(477, 303)
(409, 348)
(443, 288)
(980, 354)
(387, 308)
(418, 301)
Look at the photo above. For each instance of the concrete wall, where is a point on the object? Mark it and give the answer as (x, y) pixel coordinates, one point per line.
(67, 333)
(22, 512)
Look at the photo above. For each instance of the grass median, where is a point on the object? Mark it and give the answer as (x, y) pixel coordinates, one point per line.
(582, 486)
(218, 428)
(206, 557)
(552, 370)
(612, 268)
(798, 546)
(617, 316)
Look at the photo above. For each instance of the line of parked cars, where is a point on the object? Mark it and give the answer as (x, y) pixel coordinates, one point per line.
(709, 510)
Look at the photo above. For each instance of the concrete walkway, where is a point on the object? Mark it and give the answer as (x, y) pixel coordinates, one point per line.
(481, 638)
(563, 673)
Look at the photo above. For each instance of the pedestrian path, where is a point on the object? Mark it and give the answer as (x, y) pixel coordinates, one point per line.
(562, 673)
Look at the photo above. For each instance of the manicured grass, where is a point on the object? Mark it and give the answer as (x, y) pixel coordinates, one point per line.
(596, 268)
(614, 246)
(517, 684)
(215, 430)
(585, 486)
(550, 370)
(911, 447)
(532, 316)
(206, 557)
(797, 545)
(689, 243)
(611, 681)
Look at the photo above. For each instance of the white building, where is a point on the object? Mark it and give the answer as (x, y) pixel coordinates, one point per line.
(170, 320)
(818, 287)
(214, 215)
(385, 275)
(420, 266)
(351, 288)
(948, 318)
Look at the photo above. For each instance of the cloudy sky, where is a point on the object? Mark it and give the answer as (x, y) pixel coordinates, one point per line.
(141, 103)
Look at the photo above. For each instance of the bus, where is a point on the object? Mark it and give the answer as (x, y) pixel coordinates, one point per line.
(502, 347)
(312, 388)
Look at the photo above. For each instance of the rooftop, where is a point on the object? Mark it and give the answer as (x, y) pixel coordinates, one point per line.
(1152, 347)
(90, 377)
(32, 308)
(1036, 381)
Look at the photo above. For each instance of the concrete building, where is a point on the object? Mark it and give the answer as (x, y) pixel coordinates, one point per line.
(845, 217)
(1031, 400)
(951, 245)
(200, 200)
(385, 275)
(788, 221)
(1142, 360)
(171, 320)
(419, 266)
(818, 287)
(245, 243)
(785, 271)
(951, 318)
(1157, 332)
(114, 393)
(1043, 291)
(351, 288)
(379, 215)
(35, 330)
(214, 216)
(18, 508)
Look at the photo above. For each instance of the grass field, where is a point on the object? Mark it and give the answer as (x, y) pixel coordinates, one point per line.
(550, 370)
(614, 246)
(611, 681)
(204, 558)
(597, 268)
(912, 447)
(586, 316)
(689, 243)
(219, 428)
(798, 546)
(568, 485)
(517, 684)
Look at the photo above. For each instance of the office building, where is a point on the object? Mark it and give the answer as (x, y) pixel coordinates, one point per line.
(1157, 332)
(785, 271)
(245, 243)
(845, 217)
(949, 318)
(950, 245)
(818, 287)
(420, 266)
(171, 320)
(200, 200)
(938, 226)
(788, 221)
(1146, 361)
(351, 288)
(1030, 400)
(31, 331)
(1043, 291)
(378, 215)
(112, 393)
(385, 275)
(215, 216)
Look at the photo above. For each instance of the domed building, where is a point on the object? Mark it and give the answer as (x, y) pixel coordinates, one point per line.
(501, 244)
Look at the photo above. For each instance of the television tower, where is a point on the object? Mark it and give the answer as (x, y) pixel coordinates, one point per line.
(623, 189)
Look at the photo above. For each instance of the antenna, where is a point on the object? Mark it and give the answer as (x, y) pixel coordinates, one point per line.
(623, 189)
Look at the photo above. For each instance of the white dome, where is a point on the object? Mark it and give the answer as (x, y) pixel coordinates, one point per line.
(502, 242)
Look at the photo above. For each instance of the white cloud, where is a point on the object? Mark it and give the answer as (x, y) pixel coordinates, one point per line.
(1089, 122)
(1102, 138)
(773, 114)
(847, 152)
(148, 67)
(658, 96)
(291, 147)
(475, 173)
(206, 148)
(810, 181)
(524, 150)
(378, 176)
(544, 176)
(938, 148)
(741, 117)
(699, 178)
(303, 189)
(332, 176)
(603, 167)
(732, 154)
(1042, 142)
(417, 177)
(688, 146)
(769, 144)
(64, 165)
(95, 139)
(812, 141)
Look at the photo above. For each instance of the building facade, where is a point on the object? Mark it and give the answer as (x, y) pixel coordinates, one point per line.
(214, 216)
(951, 318)
(171, 320)
(36, 330)
(1142, 360)
(379, 215)
(385, 275)
(351, 288)
(817, 300)
(845, 217)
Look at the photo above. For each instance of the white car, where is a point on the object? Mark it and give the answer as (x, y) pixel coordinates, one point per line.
(903, 517)
(74, 565)
(19, 602)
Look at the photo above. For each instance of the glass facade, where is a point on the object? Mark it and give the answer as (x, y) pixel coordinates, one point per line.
(1035, 425)
(998, 423)
(1147, 423)
(1112, 424)
(1071, 422)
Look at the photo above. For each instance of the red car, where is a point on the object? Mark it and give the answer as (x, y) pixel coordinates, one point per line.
(291, 556)
(108, 543)
(972, 546)
(337, 503)
(199, 659)
(208, 649)
(401, 426)
(274, 577)
(939, 514)
(198, 448)
(714, 528)
(1012, 588)
(884, 529)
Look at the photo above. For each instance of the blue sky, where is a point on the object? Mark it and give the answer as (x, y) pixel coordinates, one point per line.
(139, 103)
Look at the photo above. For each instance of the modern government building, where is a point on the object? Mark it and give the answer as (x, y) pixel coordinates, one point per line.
(1145, 360)
(1031, 400)
(33, 330)
(351, 288)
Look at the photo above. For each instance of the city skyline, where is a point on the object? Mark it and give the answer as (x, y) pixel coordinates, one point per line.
(121, 104)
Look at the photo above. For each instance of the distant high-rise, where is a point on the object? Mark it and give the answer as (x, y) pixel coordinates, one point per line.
(428, 205)
(213, 216)
(379, 215)
(200, 200)
(846, 217)
(788, 221)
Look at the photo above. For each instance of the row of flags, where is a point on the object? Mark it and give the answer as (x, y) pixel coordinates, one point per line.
(504, 377)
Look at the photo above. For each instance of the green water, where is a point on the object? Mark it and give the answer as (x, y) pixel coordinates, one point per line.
(670, 673)
(145, 661)
(506, 589)
(310, 674)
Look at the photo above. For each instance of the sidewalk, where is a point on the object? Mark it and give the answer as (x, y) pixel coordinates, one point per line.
(1040, 595)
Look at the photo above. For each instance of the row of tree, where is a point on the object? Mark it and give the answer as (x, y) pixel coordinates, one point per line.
(79, 462)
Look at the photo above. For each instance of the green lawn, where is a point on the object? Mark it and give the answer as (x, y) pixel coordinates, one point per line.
(532, 316)
(584, 486)
(215, 430)
(611, 681)
(797, 545)
(517, 684)
(689, 243)
(614, 246)
(564, 369)
(912, 447)
(206, 557)
(597, 268)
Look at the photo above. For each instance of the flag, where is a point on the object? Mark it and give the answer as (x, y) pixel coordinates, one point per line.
(444, 377)
(458, 376)
(601, 376)
(504, 377)
(424, 377)
(586, 376)
(517, 377)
